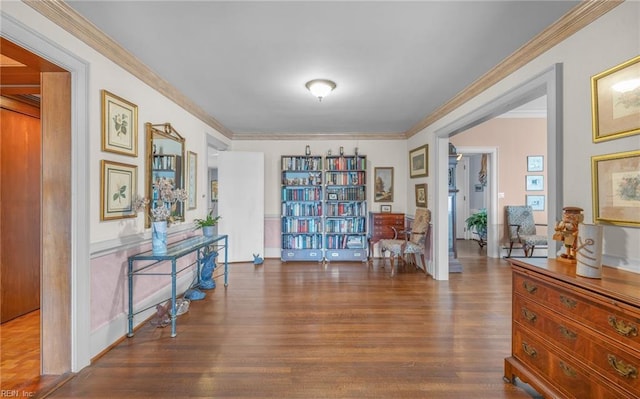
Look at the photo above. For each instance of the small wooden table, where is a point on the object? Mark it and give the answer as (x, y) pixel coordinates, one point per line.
(175, 251)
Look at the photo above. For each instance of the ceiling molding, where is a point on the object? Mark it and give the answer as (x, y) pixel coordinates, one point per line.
(68, 19)
(319, 136)
(576, 19)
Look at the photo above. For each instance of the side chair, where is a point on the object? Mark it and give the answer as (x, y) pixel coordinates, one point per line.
(522, 229)
(410, 245)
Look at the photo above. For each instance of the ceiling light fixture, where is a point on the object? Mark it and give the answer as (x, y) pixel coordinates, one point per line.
(320, 87)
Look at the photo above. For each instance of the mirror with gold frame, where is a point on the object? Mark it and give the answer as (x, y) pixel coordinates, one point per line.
(165, 159)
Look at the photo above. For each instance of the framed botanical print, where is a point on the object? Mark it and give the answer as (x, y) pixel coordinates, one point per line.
(118, 182)
(616, 188)
(119, 125)
(419, 161)
(615, 101)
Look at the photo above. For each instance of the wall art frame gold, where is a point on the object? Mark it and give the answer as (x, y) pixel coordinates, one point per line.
(118, 184)
(119, 125)
(615, 182)
(383, 184)
(615, 101)
(419, 161)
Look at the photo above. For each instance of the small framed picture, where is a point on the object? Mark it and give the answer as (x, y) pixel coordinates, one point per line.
(616, 188)
(383, 185)
(535, 163)
(332, 196)
(478, 188)
(214, 190)
(535, 183)
(536, 202)
(419, 161)
(421, 195)
(118, 182)
(385, 208)
(119, 125)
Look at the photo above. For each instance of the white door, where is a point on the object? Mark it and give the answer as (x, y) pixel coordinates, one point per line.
(241, 203)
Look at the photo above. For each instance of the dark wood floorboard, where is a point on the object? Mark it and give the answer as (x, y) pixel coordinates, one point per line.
(338, 330)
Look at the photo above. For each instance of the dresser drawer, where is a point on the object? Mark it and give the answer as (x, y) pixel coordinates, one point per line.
(567, 374)
(612, 318)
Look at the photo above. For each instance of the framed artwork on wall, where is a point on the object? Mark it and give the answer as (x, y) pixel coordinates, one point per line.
(383, 184)
(117, 184)
(615, 101)
(536, 202)
(192, 179)
(421, 195)
(385, 208)
(616, 188)
(419, 161)
(214, 190)
(119, 125)
(535, 182)
(535, 163)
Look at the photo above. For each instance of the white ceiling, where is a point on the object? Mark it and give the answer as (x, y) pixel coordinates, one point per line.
(246, 63)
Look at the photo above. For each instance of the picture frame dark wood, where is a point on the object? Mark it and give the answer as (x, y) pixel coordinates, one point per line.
(419, 161)
(383, 184)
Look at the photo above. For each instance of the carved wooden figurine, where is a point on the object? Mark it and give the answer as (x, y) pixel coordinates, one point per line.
(566, 230)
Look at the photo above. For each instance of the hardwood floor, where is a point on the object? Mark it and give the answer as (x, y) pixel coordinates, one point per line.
(308, 330)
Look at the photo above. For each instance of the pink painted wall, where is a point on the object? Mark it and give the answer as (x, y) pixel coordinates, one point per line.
(515, 139)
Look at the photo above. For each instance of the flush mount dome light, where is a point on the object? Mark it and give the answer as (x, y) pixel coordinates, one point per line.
(320, 87)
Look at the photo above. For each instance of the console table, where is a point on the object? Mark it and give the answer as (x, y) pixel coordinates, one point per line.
(174, 252)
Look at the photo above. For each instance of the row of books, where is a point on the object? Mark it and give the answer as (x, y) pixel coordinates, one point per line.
(345, 241)
(346, 194)
(301, 226)
(302, 194)
(350, 225)
(301, 209)
(346, 178)
(346, 163)
(166, 162)
(302, 242)
(346, 209)
(301, 163)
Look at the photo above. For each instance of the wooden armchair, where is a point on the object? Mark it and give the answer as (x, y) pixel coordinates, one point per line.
(409, 245)
(522, 229)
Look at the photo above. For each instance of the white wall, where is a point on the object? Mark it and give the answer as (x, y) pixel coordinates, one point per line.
(584, 54)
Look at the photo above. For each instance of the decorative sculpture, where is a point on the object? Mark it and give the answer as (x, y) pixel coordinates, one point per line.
(206, 274)
(566, 230)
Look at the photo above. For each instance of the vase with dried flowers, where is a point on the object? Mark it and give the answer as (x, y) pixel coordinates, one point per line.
(166, 199)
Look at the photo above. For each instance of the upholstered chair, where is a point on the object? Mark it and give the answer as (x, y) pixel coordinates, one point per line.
(409, 246)
(522, 229)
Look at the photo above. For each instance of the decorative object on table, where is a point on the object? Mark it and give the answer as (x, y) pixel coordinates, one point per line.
(566, 230)
(119, 125)
(421, 195)
(383, 184)
(615, 101)
(419, 161)
(207, 224)
(535, 163)
(477, 224)
(616, 188)
(589, 250)
(192, 179)
(257, 259)
(159, 237)
(117, 182)
(206, 272)
(535, 182)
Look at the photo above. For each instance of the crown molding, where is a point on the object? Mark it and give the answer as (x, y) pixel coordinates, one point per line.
(68, 19)
(577, 18)
(319, 136)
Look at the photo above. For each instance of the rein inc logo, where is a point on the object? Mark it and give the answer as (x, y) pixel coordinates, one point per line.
(14, 393)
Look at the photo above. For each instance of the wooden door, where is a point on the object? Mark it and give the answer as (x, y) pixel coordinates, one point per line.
(20, 181)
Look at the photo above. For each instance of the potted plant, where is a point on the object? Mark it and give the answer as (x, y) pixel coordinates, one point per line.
(207, 223)
(477, 223)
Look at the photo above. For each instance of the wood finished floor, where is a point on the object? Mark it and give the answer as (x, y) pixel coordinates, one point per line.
(307, 330)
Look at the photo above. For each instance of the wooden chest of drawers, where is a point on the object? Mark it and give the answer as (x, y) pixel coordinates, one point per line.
(574, 337)
(380, 227)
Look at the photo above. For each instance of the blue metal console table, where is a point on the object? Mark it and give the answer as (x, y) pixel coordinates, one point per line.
(175, 251)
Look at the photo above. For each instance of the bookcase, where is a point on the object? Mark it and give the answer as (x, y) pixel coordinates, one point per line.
(302, 208)
(345, 221)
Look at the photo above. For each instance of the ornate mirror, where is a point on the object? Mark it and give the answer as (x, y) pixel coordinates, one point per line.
(165, 160)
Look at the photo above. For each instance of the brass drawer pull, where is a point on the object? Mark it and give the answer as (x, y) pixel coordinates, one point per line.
(529, 350)
(568, 371)
(568, 333)
(530, 287)
(568, 302)
(622, 327)
(529, 315)
(625, 370)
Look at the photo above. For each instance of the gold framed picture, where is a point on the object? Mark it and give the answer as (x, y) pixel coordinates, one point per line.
(616, 188)
(419, 161)
(421, 195)
(383, 184)
(118, 182)
(119, 125)
(615, 101)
